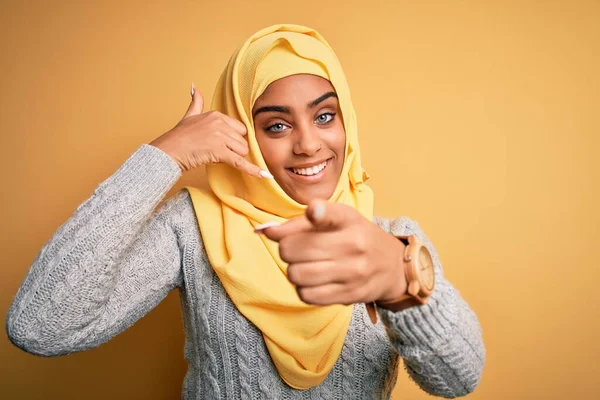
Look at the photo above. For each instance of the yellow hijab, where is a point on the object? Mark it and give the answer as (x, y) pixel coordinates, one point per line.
(304, 340)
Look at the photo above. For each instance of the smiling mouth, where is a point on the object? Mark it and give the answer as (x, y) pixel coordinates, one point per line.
(310, 171)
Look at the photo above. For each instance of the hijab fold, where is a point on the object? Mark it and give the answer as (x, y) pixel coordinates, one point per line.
(304, 341)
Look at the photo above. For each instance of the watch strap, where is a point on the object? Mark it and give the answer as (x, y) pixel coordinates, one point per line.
(405, 301)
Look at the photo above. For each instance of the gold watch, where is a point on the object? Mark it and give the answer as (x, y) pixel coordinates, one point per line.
(420, 278)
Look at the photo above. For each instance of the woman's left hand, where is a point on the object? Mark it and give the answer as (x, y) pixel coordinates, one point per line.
(336, 256)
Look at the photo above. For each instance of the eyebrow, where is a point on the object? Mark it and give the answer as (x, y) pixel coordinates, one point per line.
(321, 99)
(286, 110)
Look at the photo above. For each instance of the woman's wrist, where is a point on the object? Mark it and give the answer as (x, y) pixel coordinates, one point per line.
(398, 284)
(161, 143)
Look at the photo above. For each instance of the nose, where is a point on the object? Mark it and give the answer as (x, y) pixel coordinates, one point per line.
(308, 140)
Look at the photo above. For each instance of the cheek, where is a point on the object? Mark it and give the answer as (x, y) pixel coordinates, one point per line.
(273, 151)
(336, 140)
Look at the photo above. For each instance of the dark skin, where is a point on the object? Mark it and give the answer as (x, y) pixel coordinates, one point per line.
(298, 126)
(334, 254)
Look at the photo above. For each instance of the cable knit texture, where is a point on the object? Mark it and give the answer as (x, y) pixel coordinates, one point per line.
(122, 252)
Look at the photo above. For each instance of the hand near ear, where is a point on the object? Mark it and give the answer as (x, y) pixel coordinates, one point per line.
(210, 137)
(336, 256)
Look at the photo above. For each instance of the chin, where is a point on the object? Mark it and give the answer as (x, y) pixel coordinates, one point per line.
(306, 196)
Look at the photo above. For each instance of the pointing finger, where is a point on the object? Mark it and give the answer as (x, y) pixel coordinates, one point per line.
(325, 215)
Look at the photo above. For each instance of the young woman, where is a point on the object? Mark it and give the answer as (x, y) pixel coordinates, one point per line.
(279, 264)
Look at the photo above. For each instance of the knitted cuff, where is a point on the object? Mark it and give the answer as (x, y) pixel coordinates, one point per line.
(423, 327)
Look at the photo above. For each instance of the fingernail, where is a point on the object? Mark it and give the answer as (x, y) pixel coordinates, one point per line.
(319, 211)
(265, 174)
(193, 89)
(266, 225)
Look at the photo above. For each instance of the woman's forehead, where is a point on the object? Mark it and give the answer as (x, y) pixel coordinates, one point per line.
(299, 85)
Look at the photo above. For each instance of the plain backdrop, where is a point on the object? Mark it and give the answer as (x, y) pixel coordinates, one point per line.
(479, 119)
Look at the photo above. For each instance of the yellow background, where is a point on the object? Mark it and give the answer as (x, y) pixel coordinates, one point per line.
(478, 119)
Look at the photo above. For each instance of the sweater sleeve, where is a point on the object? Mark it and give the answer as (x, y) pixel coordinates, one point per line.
(441, 342)
(108, 265)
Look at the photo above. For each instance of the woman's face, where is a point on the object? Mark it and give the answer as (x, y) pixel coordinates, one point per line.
(301, 135)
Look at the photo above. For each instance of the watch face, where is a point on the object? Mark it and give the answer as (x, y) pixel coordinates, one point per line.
(426, 268)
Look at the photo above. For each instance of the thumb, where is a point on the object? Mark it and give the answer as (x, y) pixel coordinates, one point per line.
(326, 216)
(197, 103)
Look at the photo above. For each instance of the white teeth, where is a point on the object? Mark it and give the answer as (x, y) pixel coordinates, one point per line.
(311, 170)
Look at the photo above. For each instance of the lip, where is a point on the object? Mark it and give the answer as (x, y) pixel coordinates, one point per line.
(311, 164)
(312, 178)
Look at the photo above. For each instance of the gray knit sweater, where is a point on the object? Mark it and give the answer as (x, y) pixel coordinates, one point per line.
(121, 253)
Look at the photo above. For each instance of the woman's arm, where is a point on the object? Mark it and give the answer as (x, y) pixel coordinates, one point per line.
(114, 259)
(441, 342)
(108, 265)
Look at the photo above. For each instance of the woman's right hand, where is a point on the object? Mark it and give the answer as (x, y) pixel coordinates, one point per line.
(205, 138)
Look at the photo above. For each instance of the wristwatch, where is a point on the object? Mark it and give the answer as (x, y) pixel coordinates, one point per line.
(420, 278)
